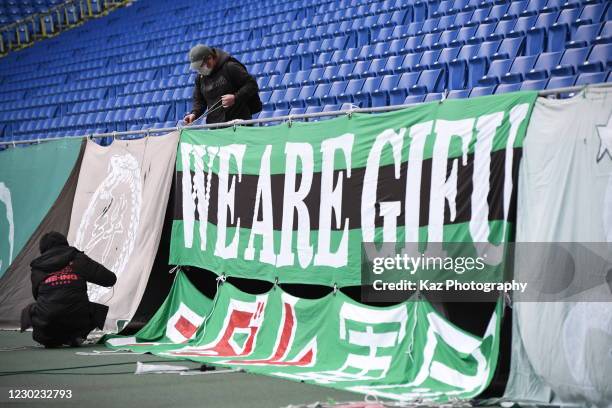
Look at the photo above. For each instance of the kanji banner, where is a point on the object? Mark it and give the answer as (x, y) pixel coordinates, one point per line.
(118, 213)
(296, 201)
(31, 178)
(402, 352)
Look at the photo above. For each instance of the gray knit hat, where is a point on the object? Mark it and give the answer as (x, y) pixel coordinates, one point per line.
(199, 53)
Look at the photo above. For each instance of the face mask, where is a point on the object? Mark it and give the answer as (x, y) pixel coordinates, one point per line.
(204, 70)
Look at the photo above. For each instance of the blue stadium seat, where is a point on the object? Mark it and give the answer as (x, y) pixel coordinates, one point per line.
(297, 111)
(505, 88)
(290, 94)
(570, 60)
(277, 96)
(479, 15)
(561, 82)
(498, 11)
(399, 93)
(336, 89)
(413, 99)
(321, 91)
(600, 58)
(520, 67)
(300, 100)
(584, 35)
(605, 36)
(411, 60)
(427, 59)
(509, 48)
(515, 8)
(353, 86)
(380, 96)
(363, 96)
(313, 109)
(361, 70)
(431, 97)
(314, 77)
(568, 16)
(329, 73)
(445, 57)
(591, 78)
(377, 67)
(544, 64)
(593, 13)
(446, 38)
(497, 69)
(431, 80)
(463, 36)
(396, 47)
(344, 71)
(481, 91)
(533, 85)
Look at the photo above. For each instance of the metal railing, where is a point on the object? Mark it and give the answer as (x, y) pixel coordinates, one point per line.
(72, 13)
(287, 118)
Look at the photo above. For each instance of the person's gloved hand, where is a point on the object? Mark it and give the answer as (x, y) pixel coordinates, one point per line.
(189, 118)
(228, 100)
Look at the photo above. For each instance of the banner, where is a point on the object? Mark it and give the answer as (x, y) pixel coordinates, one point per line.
(30, 180)
(296, 202)
(561, 348)
(16, 284)
(118, 214)
(403, 352)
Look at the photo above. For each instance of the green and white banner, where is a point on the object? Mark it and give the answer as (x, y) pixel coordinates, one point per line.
(296, 202)
(402, 352)
(31, 178)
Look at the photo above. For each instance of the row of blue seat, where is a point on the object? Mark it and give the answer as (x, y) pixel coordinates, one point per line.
(512, 44)
(321, 53)
(394, 89)
(142, 115)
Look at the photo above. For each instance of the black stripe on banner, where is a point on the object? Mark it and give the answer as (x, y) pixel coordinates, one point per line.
(389, 189)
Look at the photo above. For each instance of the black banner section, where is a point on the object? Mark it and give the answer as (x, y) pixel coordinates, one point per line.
(389, 189)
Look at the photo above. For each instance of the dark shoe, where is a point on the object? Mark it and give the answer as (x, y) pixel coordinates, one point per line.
(76, 342)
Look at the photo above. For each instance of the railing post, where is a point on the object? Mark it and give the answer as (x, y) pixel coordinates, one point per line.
(43, 27)
(89, 8)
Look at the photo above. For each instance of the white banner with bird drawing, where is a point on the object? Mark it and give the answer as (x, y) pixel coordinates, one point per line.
(117, 216)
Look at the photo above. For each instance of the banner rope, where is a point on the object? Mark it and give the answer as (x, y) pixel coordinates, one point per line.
(411, 344)
(220, 279)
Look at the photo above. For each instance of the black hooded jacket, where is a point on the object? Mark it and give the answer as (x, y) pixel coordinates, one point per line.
(62, 310)
(227, 77)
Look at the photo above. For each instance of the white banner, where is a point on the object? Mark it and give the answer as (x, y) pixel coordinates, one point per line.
(118, 215)
(562, 349)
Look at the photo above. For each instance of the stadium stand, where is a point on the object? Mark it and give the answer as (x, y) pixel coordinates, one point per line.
(129, 69)
(13, 10)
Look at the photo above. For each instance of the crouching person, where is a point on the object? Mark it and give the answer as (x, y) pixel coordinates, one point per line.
(62, 313)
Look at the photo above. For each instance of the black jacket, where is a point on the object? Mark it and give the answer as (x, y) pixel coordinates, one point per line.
(62, 311)
(227, 77)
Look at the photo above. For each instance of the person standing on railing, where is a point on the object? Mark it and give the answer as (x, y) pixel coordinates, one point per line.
(223, 87)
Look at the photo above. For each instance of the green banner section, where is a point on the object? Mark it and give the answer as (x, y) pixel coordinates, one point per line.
(296, 201)
(403, 352)
(30, 180)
